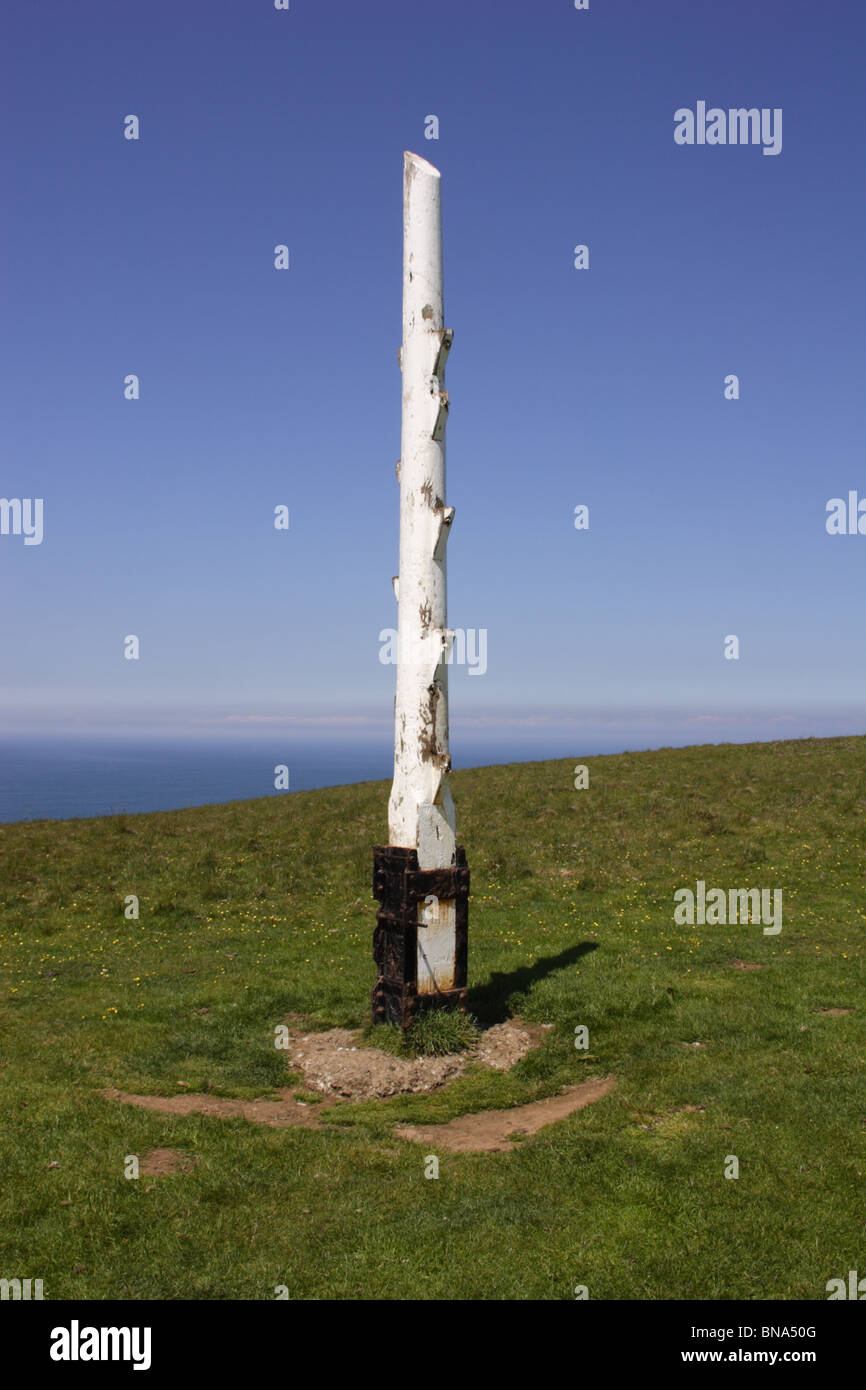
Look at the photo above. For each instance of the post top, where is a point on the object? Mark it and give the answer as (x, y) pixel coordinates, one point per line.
(411, 160)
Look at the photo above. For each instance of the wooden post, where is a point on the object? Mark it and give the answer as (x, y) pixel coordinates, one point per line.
(427, 964)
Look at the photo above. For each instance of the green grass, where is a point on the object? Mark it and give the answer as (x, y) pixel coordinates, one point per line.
(253, 912)
(434, 1033)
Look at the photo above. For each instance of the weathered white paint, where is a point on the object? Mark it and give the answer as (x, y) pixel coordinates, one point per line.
(437, 942)
(420, 810)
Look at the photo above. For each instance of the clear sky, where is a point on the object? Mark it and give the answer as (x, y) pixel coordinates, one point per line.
(602, 387)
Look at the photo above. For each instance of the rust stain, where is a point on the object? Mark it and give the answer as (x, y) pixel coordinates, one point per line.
(427, 740)
(437, 981)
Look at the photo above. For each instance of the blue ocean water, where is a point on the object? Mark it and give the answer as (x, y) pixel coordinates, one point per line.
(58, 777)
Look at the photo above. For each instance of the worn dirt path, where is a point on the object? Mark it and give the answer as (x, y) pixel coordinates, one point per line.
(488, 1131)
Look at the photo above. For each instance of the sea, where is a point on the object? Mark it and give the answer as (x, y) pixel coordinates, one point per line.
(58, 776)
(51, 777)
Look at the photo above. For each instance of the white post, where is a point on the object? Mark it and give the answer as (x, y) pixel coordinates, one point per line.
(420, 810)
(421, 877)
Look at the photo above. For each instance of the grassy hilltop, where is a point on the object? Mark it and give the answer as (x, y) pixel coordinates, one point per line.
(258, 910)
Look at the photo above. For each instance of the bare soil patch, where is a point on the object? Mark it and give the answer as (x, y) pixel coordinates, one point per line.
(745, 965)
(336, 1064)
(836, 1013)
(286, 1111)
(489, 1131)
(158, 1163)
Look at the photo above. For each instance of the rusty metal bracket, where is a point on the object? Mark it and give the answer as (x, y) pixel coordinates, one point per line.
(399, 887)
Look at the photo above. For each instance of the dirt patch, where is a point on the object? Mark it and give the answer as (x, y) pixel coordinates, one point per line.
(158, 1163)
(836, 1013)
(502, 1046)
(745, 965)
(489, 1130)
(286, 1111)
(334, 1062)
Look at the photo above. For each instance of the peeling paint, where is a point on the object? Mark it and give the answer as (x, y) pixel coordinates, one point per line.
(421, 959)
(422, 760)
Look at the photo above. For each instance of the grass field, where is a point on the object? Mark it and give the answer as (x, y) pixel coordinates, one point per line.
(254, 911)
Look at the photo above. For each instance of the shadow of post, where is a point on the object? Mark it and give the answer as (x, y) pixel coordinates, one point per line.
(489, 1002)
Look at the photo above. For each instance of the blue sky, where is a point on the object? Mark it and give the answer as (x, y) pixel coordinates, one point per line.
(603, 387)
